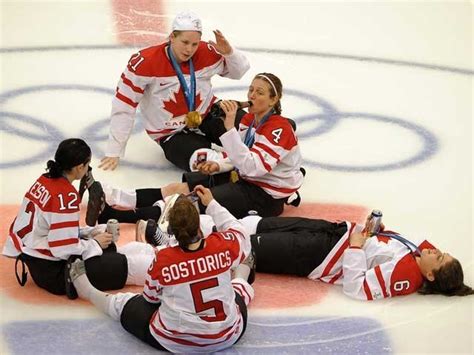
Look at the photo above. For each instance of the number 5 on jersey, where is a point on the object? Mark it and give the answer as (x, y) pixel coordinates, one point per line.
(201, 306)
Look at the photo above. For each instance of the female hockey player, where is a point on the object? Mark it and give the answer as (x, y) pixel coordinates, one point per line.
(46, 233)
(259, 170)
(171, 84)
(191, 301)
(368, 267)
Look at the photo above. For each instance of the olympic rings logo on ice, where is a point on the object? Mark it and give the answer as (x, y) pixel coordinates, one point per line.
(327, 116)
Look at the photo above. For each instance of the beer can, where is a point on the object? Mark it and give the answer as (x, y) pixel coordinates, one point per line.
(375, 221)
(113, 227)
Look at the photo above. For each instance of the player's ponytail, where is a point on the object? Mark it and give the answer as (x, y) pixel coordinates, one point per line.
(448, 281)
(54, 169)
(70, 153)
(184, 222)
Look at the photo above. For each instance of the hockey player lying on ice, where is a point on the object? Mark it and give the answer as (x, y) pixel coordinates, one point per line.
(367, 267)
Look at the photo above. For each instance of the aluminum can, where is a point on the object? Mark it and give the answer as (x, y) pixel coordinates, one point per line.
(113, 227)
(375, 221)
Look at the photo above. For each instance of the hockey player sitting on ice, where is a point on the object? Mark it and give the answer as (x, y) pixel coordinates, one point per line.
(368, 267)
(46, 233)
(171, 84)
(261, 171)
(190, 302)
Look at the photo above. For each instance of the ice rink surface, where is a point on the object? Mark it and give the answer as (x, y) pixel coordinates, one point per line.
(381, 92)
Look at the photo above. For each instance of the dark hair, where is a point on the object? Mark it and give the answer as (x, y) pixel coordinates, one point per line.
(278, 86)
(448, 281)
(70, 153)
(184, 222)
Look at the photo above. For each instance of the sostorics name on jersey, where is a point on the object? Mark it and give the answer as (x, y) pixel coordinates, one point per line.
(200, 266)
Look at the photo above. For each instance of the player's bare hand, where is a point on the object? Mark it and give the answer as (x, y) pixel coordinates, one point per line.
(104, 239)
(357, 240)
(109, 163)
(98, 229)
(221, 44)
(230, 108)
(208, 167)
(205, 195)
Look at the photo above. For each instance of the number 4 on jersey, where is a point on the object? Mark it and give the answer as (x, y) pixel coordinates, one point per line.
(276, 133)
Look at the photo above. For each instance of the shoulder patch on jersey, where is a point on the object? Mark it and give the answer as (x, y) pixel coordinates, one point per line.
(54, 195)
(151, 61)
(406, 277)
(426, 245)
(279, 131)
(205, 56)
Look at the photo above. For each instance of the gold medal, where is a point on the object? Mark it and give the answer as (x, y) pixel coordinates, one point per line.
(234, 176)
(193, 119)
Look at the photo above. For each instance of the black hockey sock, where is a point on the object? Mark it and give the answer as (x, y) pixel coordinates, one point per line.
(147, 197)
(130, 216)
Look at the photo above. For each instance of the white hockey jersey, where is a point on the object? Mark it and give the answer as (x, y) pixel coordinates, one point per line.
(383, 267)
(47, 225)
(150, 82)
(198, 312)
(274, 160)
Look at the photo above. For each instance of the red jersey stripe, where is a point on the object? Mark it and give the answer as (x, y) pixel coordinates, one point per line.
(152, 288)
(203, 336)
(269, 150)
(61, 225)
(335, 258)
(235, 231)
(381, 281)
(125, 99)
(129, 83)
(153, 298)
(15, 238)
(44, 252)
(161, 131)
(264, 163)
(338, 254)
(183, 341)
(63, 242)
(241, 289)
(367, 291)
(336, 277)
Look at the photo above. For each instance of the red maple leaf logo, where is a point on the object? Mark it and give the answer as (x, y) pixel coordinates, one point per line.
(383, 239)
(177, 105)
